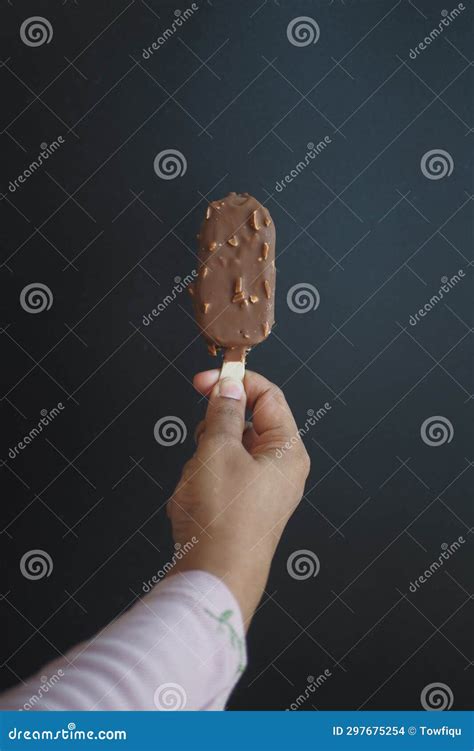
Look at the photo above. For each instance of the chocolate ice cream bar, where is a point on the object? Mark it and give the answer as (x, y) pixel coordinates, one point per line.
(234, 294)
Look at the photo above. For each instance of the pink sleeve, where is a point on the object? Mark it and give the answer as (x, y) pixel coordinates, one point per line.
(181, 646)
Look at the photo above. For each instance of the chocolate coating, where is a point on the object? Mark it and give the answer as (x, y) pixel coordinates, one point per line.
(234, 294)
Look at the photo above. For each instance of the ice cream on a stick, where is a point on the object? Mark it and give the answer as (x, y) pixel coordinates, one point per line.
(234, 293)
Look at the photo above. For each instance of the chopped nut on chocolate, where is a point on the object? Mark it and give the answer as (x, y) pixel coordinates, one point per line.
(254, 221)
(265, 249)
(204, 272)
(205, 307)
(212, 349)
(238, 297)
(212, 246)
(267, 221)
(253, 298)
(233, 241)
(268, 289)
(208, 212)
(238, 284)
(266, 328)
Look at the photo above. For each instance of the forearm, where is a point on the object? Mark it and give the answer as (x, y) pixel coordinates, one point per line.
(180, 647)
(245, 572)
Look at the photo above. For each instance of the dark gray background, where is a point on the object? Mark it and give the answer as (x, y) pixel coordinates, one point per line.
(362, 224)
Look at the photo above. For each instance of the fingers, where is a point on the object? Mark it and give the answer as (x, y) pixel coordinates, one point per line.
(269, 406)
(204, 382)
(270, 410)
(225, 416)
(248, 439)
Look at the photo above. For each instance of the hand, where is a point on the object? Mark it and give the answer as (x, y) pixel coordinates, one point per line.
(238, 491)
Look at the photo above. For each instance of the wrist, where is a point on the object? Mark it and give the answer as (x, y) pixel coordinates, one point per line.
(244, 572)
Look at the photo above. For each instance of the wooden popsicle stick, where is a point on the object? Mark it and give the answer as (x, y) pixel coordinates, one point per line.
(235, 370)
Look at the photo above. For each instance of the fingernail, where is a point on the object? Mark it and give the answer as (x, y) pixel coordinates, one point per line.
(230, 388)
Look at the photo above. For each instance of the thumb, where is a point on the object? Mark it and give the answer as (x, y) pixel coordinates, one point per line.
(225, 417)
